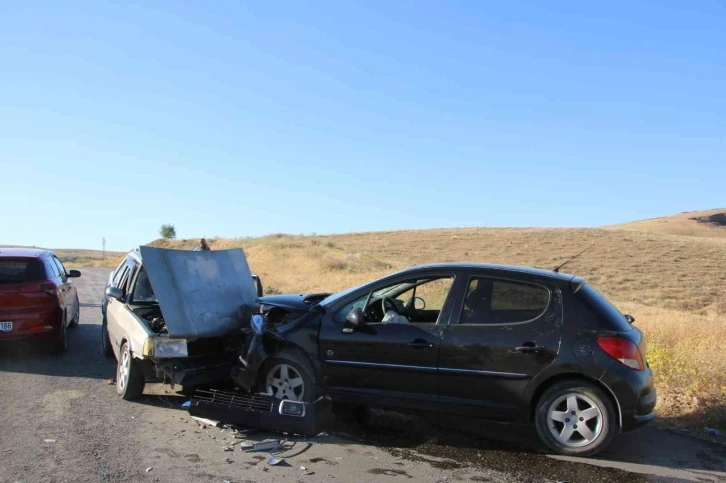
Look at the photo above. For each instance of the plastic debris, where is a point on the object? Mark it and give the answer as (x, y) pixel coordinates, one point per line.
(229, 460)
(263, 446)
(187, 404)
(713, 432)
(227, 448)
(149, 469)
(6, 450)
(205, 422)
(275, 461)
(49, 440)
(303, 468)
(110, 382)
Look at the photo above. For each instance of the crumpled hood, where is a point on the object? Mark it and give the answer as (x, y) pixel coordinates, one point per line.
(200, 293)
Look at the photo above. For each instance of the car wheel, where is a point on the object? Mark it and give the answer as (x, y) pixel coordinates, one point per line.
(575, 418)
(106, 347)
(289, 376)
(59, 345)
(76, 318)
(129, 377)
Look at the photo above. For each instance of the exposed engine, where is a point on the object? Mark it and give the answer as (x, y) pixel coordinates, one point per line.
(153, 318)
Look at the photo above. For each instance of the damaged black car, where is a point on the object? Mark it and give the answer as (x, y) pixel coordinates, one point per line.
(483, 341)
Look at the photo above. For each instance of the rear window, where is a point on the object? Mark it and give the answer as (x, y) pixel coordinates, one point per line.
(21, 270)
(604, 309)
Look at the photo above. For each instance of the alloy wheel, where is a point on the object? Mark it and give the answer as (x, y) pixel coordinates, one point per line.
(123, 370)
(285, 382)
(575, 420)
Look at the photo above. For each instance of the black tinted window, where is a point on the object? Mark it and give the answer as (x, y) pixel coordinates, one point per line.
(20, 270)
(491, 301)
(604, 309)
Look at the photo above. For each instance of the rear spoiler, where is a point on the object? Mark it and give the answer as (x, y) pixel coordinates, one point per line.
(576, 283)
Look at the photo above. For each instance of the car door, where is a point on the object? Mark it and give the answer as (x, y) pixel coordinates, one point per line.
(70, 292)
(504, 332)
(115, 309)
(385, 363)
(65, 290)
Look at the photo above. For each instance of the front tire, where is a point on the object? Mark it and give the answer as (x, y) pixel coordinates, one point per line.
(575, 418)
(129, 377)
(289, 376)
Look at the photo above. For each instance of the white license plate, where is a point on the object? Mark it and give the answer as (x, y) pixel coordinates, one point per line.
(6, 326)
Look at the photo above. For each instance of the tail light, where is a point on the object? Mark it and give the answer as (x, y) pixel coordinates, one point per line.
(623, 350)
(46, 286)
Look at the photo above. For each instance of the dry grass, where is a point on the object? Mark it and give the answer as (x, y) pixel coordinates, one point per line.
(80, 257)
(681, 224)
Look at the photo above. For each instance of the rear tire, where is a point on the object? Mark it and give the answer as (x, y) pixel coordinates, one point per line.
(575, 418)
(59, 345)
(129, 376)
(106, 347)
(76, 318)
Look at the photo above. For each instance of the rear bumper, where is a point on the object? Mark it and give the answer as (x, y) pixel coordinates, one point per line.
(635, 394)
(46, 324)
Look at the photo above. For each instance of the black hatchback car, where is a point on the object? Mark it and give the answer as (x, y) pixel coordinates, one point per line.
(485, 341)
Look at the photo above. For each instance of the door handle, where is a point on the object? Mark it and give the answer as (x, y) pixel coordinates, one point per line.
(420, 344)
(530, 348)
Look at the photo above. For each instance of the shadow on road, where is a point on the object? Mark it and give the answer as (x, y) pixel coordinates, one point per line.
(82, 359)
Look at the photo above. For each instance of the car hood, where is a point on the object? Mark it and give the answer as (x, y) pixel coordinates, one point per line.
(200, 293)
(294, 301)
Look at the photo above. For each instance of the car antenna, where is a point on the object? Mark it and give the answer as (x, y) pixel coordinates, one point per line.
(557, 268)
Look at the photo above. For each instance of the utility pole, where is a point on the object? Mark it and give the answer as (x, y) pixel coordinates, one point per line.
(104, 248)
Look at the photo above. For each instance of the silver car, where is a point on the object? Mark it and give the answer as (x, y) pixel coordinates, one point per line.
(176, 316)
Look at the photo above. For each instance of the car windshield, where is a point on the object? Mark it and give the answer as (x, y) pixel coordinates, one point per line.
(331, 299)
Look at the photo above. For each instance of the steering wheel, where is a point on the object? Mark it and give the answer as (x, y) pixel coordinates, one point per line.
(388, 304)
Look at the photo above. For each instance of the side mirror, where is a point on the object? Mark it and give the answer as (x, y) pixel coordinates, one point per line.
(419, 303)
(354, 320)
(74, 273)
(629, 318)
(115, 293)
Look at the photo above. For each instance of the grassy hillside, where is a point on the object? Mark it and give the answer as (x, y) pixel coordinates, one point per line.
(675, 286)
(708, 223)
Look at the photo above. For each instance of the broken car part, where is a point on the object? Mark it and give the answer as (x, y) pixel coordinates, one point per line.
(262, 411)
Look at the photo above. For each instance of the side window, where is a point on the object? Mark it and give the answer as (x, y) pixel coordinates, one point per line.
(61, 269)
(492, 301)
(434, 293)
(51, 268)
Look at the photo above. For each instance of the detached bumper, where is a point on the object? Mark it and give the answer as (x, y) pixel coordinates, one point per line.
(261, 411)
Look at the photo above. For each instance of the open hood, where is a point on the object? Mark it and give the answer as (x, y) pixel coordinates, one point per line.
(200, 293)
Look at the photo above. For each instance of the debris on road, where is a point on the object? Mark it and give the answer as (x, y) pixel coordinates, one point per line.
(713, 432)
(262, 446)
(229, 460)
(275, 461)
(204, 422)
(186, 404)
(302, 468)
(49, 440)
(148, 469)
(110, 382)
(227, 448)
(6, 450)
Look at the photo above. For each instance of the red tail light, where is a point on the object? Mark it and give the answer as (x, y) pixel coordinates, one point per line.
(46, 286)
(623, 350)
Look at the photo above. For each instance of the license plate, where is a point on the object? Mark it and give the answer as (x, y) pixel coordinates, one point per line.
(6, 326)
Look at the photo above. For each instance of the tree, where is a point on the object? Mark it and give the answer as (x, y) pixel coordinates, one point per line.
(167, 232)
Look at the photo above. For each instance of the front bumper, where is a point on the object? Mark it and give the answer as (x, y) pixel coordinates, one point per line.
(193, 372)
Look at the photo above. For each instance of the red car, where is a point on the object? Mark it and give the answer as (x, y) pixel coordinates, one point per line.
(37, 299)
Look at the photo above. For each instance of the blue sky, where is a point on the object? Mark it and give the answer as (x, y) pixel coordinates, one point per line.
(246, 118)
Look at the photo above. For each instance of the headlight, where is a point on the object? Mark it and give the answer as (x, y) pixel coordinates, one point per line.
(170, 348)
(258, 324)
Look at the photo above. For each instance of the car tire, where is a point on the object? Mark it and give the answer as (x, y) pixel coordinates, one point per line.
(129, 376)
(294, 366)
(575, 418)
(106, 347)
(59, 345)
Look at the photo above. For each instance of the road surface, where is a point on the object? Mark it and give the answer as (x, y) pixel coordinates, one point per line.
(99, 437)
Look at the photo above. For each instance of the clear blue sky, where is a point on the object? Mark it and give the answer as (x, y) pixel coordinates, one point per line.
(246, 118)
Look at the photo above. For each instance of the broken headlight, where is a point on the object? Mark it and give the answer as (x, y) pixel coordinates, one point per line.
(258, 324)
(170, 348)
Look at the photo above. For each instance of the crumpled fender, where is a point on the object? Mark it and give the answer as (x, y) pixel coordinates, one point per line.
(245, 374)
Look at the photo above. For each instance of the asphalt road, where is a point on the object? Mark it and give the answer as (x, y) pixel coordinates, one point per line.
(99, 437)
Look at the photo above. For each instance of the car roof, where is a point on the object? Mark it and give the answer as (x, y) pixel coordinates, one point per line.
(493, 267)
(24, 252)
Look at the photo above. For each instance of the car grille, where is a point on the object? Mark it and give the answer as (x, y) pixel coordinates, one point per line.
(248, 402)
